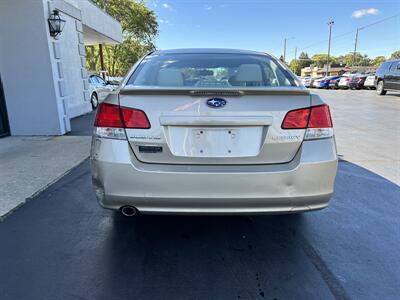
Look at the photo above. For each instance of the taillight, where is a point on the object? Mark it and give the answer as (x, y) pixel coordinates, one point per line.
(316, 119)
(320, 117)
(134, 118)
(108, 115)
(111, 120)
(296, 119)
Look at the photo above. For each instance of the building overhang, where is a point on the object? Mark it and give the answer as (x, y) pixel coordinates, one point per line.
(98, 26)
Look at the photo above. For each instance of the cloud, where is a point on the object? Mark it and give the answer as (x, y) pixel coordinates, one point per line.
(162, 21)
(207, 7)
(365, 12)
(169, 7)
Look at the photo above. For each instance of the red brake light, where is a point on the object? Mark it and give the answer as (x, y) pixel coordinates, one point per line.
(320, 117)
(296, 119)
(135, 118)
(313, 117)
(109, 115)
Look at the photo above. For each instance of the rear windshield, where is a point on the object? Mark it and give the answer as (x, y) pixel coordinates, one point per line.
(210, 70)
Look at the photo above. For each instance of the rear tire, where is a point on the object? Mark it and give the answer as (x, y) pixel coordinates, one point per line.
(379, 88)
(94, 101)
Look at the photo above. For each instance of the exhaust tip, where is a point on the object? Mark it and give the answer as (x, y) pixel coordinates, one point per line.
(128, 211)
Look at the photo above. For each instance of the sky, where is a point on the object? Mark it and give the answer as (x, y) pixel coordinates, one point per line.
(262, 25)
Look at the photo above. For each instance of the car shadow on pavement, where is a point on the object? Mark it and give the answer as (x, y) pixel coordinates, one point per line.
(221, 257)
(62, 245)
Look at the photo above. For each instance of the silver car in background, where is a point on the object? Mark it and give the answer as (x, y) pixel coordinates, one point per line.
(370, 82)
(306, 81)
(98, 89)
(213, 131)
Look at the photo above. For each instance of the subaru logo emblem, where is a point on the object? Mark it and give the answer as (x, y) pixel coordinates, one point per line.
(216, 102)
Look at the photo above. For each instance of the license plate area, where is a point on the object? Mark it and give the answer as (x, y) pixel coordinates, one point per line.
(210, 142)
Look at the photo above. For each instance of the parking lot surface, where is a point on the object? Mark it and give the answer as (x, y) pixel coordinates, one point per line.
(367, 129)
(62, 245)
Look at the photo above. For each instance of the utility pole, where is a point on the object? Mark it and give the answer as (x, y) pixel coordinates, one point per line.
(103, 74)
(355, 48)
(295, 54)
(284, 48)
(330, 24)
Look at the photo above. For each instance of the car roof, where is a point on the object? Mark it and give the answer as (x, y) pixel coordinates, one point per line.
(208, 51)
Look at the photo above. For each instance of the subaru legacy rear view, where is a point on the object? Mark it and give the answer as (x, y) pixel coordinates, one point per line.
(211, 131)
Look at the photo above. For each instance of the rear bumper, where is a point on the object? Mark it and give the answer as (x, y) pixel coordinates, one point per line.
(306, 183)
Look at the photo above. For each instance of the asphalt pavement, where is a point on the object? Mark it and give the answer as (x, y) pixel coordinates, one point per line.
(62, 245)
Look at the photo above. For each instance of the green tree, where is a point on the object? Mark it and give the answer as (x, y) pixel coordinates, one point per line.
(320, 60)
(357, 60)
(378, 61)
(295, 66)
(300, 63)
(395, 55)
(139, 28)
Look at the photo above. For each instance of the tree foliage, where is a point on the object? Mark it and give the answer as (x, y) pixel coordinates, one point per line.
(347, 60)
(395, 55)
(139, 28)
(377, 61)
(321, 60)
(300, 63)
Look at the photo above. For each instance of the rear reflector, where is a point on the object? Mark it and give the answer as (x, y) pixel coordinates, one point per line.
(114, 116)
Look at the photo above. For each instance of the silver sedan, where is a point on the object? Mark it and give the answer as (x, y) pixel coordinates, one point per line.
(213, 131)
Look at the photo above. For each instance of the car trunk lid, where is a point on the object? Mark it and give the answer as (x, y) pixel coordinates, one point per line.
(186, 129)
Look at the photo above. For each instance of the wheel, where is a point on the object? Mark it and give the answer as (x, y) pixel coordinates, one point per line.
(379, 88)
(94, 101)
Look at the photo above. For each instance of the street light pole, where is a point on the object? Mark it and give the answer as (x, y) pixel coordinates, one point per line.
(330, 24)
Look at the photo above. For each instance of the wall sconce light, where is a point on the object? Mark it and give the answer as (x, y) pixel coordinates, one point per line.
(56, 24)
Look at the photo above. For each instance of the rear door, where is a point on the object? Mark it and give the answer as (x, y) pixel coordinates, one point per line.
(394, 76)
(185, 129)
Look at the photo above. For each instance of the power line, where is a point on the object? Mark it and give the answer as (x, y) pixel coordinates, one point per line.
(380, 21)
(346, 33)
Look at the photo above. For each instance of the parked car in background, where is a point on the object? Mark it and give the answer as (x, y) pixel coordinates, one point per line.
(334, 82)
(388, 77)
(370, 82)
(312, 80)
(325, 82)
(316, 82)
(357, 82)
(344, 82)
(179, 138)
(306, 81)
(99, 89)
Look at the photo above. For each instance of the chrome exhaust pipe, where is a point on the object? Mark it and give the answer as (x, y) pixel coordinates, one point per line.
(128, 211)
